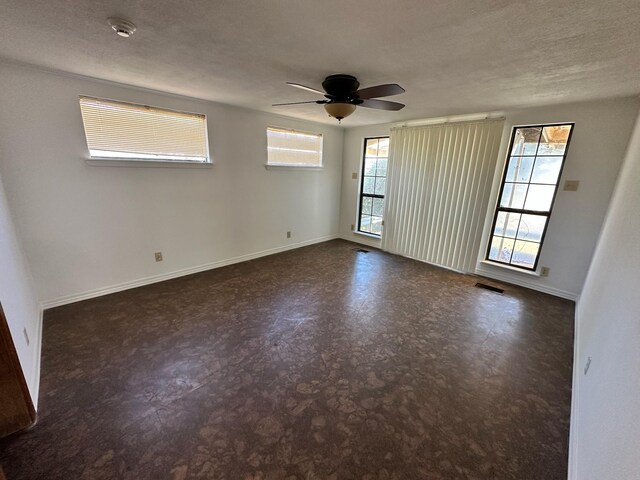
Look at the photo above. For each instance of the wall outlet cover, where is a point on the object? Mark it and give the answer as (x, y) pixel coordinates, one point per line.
(288, 234)
(158, 256)
(571, 185)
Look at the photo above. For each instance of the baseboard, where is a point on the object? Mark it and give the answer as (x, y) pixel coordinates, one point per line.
(524, 283)
(34, 379)
(573, 423)
(56, 302)
(361, 239)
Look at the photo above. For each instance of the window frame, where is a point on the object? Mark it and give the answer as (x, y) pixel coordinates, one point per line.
(140, 161)
(294, 166)
(523, 211)
(361, 193)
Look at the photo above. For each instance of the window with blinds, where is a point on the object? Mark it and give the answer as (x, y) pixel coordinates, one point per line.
(126, 131)
(293, 148)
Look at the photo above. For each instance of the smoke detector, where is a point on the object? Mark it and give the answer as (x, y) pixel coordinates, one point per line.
(123, 28)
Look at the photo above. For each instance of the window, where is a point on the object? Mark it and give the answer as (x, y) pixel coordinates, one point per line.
(527, 193)
(373, 183)
(125, 131)
(292, 148)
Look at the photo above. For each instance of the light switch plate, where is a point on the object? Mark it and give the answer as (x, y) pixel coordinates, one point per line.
(571, 185)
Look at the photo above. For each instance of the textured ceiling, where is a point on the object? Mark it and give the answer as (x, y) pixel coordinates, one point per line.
(452, 57)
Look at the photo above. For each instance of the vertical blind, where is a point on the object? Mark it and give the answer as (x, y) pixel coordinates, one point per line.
(137, 132)
(292, 147)
(438, 183)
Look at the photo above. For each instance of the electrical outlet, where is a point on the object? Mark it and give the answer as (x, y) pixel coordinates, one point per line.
(571, 185)
(353, 227)
(26, 335)
(586, 367)
(158, 256)
(544, 272)
(288, 234)
(354, 176)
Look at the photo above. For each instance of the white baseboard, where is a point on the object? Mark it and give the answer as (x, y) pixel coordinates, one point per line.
(56, 302)
(573, 425)
(33, 382)
(524, 283)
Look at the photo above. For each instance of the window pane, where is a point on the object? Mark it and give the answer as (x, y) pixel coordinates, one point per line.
(501, 249)
(519, 169)
(366, 205)
(380, 184)
(507, 224)
(376, 225)
(547, 170)
(381, 170)
(378, 206)
(365, 223)
(540, 197)
(525, 253)
(370, 166)
(369, 185)
(513, 195)
(532, 227)
(554, 140)
(383, 147)
(525, 141)
(372, 148)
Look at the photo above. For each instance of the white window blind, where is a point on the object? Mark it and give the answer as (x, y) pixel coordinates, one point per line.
(293, 148)
(438, 184)
(125, 131)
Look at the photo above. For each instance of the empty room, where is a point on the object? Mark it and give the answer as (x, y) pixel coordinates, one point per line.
(263, 240)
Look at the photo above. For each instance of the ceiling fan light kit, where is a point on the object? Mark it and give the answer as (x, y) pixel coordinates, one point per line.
(343, 94)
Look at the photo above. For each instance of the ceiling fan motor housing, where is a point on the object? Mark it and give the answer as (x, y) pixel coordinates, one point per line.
(341, 86)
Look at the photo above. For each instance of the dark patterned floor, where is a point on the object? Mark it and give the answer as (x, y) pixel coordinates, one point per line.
(319, 363)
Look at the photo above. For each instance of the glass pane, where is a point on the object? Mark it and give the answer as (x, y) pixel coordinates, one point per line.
(519, 169)
(540, 197)
(381, 171)
(554, 140)
(378, 206)
(371, 149)
(513, 195)
(524, 254)
(383, 147)
(370, 166)
(366, 205)
(525, 141)
(501, 249)
(380, 183)
(532, 227)
(546, 170)
(376, 225)
(507, 224)
(365, 223)
(368, 185)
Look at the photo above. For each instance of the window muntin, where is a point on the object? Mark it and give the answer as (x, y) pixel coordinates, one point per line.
(529, 185)
(126, 131)
(293, 148)
(373, 184)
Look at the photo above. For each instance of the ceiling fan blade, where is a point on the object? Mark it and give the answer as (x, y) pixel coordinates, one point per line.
(304, 87)
(380, 91)
(298, 103)
(381, 104)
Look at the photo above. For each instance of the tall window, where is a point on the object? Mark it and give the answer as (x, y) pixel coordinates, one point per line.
(373, 183)
(126, 131)
(293, 148)
(529, 186)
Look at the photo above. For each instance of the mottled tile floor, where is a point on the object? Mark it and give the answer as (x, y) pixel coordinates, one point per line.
(318, 363)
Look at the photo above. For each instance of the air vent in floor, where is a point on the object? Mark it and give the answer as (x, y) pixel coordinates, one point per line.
(489, 287)
(361, 250)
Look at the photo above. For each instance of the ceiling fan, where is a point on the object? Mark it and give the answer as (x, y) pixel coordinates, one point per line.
(342, 95)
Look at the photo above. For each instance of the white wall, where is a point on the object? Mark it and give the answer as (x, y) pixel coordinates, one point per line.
(605, 420)
(597, 148)
(19, 300)
(86, 228)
